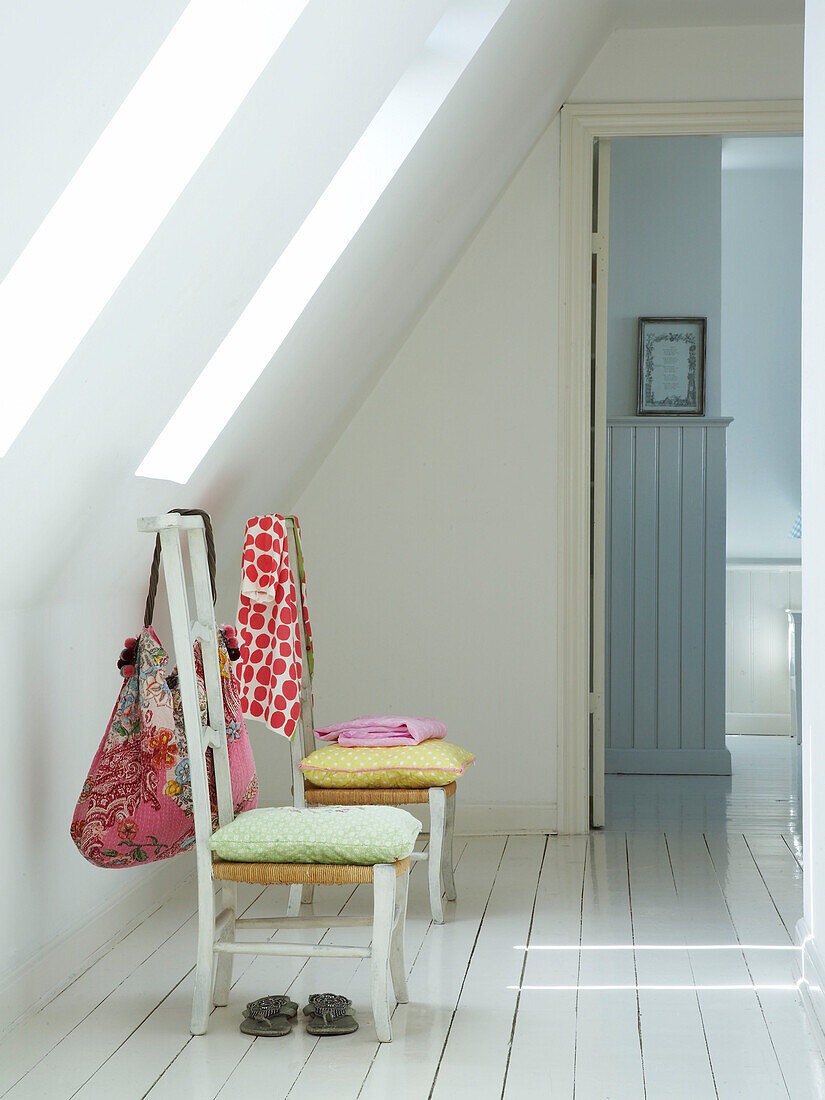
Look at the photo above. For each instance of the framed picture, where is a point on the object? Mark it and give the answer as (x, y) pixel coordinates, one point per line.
(672, 366)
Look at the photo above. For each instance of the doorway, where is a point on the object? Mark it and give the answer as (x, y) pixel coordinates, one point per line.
(704, 258)
(582, 699)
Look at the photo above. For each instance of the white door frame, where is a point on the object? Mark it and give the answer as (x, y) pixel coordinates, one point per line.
(581, 125)
(598, 379)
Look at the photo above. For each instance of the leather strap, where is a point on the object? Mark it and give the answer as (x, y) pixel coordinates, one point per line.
(155, 569)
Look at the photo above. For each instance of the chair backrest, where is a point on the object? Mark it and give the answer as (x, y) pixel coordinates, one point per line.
(200, 738)
(185, 631)
(303, 740)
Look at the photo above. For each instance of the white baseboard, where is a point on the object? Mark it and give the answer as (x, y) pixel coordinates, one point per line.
(40, 979)
(776, 724)
(812, 981)
(498, 818)
(667, 761)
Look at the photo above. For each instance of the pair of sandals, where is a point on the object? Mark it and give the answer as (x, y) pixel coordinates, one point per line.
(327, 1014)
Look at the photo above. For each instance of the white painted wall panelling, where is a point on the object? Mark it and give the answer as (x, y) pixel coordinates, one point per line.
(665, 596)
(757, 697)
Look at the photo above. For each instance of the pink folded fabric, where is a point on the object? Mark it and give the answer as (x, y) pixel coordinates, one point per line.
(383, 731)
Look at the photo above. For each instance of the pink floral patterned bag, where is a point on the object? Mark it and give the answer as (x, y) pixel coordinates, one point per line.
(136, 804)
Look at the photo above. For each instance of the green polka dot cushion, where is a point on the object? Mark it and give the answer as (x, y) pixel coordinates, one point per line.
(430, 764)
(318, 834)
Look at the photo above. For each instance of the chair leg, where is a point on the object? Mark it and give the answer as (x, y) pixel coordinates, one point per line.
(202, 996)
(307, 895)
(382, 921)
(447, 855)
(223, 966)
(438, 813)
(398, 969)
(293, 908)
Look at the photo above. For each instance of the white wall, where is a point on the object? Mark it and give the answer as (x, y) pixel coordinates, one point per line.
(665, 255)
(66, 68)
(430, 528)
(761, 349)
(757, 696)
(672, 64)
(812, 931)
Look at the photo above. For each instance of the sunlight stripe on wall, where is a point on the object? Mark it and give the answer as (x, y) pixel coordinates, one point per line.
(327, 230)
(127, 184)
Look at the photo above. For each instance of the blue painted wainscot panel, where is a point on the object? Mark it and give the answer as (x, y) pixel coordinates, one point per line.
(665, 667)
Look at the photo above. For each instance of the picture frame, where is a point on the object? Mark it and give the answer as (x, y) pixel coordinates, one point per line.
(672, 366)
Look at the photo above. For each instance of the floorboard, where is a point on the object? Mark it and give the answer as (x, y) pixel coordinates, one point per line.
(608, 1042)
(407, 1067)
(542, 1059)
(770, 956)
(781, 874)
(70, 1063)
(676, 1058)
(487, 1002)
(24, 1047)
(741, 1050)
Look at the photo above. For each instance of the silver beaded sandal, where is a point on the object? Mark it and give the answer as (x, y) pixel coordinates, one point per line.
(329, 1014)
(269, 1016)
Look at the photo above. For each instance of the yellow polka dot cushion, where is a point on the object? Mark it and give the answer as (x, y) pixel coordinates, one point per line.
(318, 834)
(428, 764)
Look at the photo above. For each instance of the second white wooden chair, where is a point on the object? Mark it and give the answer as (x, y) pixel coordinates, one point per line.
(440, 800)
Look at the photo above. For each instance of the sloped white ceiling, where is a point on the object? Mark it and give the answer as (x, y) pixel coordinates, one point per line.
(64, 71)
(71, 471)
(72, 468)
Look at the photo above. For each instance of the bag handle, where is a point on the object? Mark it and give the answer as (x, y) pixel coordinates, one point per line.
(155, 570)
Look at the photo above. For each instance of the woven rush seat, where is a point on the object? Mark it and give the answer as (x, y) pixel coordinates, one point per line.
(370, 796)
(298, 874)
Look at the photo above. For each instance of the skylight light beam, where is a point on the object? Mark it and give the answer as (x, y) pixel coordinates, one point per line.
(319, 242)
(754, 987)
(125, 187)
(740, 947)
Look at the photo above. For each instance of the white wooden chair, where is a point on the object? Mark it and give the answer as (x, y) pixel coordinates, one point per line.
(217, 923)
(441, 800)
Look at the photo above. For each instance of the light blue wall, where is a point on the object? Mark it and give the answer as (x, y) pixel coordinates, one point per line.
(665, 252)
(695, 230)
(761, 349)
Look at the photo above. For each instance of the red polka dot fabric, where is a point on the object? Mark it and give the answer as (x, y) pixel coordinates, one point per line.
(271, 665)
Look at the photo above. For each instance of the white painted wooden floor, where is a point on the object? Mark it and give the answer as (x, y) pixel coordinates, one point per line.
(651, 960)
